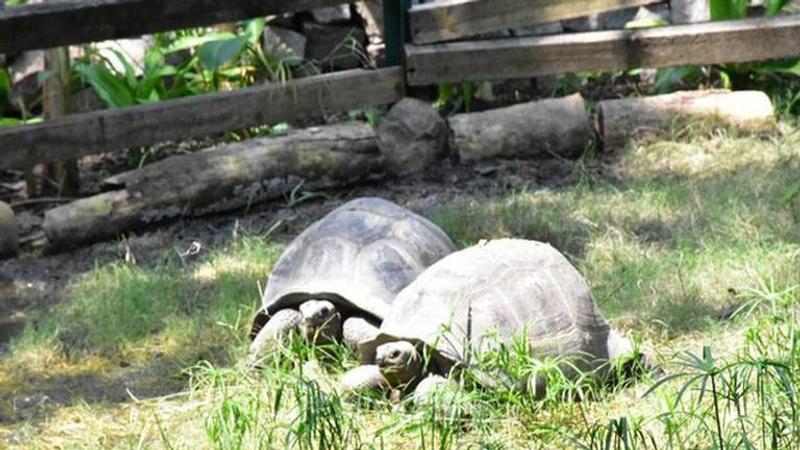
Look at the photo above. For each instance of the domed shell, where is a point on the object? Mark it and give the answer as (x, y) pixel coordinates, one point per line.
(359, 256)
(493, 292)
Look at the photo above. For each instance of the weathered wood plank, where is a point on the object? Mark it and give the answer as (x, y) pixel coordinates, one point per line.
(454, 19)
(707, 43)
(77, 21)
(111, 130)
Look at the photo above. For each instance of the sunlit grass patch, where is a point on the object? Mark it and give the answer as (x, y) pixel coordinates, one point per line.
(152, 320)
(123, 304)
(670, 237)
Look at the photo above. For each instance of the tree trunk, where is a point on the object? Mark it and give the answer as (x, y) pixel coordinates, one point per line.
(619, 121)
(554, 126)
(219, 179)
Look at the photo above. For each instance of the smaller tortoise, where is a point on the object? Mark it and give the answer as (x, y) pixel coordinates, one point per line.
(337, 279)
(474, 299)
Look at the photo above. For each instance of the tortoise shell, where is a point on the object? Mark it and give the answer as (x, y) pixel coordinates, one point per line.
(490, 293)
(359, 256)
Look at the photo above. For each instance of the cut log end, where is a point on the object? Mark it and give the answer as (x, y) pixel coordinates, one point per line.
(9, 232)
(621, 121)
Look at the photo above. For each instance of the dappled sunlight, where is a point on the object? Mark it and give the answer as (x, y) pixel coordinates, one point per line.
(129, 331)
(669, 249)
(231, 264)
(710, 156)
(677, 239)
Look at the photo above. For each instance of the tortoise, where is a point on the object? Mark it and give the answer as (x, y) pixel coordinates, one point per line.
(477, 299)
(337, 279)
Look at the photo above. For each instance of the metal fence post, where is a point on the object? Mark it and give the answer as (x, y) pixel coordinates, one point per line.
(395, 30)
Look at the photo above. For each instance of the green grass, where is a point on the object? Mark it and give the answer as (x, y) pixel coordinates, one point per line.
(675, 236)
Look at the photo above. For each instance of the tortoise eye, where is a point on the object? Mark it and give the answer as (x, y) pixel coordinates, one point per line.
(395, 354)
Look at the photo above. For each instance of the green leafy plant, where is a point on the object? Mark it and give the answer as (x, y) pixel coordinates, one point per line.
(455, 97)
(208, 61)
(617, 434)
(5, 85)
(158, 81)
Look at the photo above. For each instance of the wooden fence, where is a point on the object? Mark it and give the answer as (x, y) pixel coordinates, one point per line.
(706, 43)
(429, 59)
(78, 21)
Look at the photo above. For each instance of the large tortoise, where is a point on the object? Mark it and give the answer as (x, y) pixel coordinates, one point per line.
(337, 279)
(499, 289)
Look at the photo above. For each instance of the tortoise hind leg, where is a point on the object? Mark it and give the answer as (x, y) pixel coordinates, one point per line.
(276, 328)
(356, 330)
(261, 318)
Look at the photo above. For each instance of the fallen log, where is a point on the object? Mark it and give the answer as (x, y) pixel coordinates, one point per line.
(619, 121)
(218, 179)
(9, 232)
(555, 126)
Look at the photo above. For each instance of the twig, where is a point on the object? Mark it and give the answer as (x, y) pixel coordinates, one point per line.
(33, 237)
(38, 201)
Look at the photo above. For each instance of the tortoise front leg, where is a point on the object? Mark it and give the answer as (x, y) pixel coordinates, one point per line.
(434, 388)
(356, 330)
(277, 327)
(363, 377)
(621, 351)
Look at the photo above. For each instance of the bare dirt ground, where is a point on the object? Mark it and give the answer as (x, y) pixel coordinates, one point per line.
(34, 280)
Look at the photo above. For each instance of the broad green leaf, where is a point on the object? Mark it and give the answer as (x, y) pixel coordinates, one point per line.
(150, 82)
(213, 54)
(5, 84)
(728, 9)
(13, 121)
(254, 30)
(725, 79)
(667, 80)
(773, 7)
(112, 89)
(130, 72)
(153, 59)
(9, 122)
(779, 66)
(740, 7)
(188, 42)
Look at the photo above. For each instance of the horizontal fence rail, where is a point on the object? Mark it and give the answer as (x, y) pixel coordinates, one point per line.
(454, 19)
(202, 115)
(707, 43)
(78, 21)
